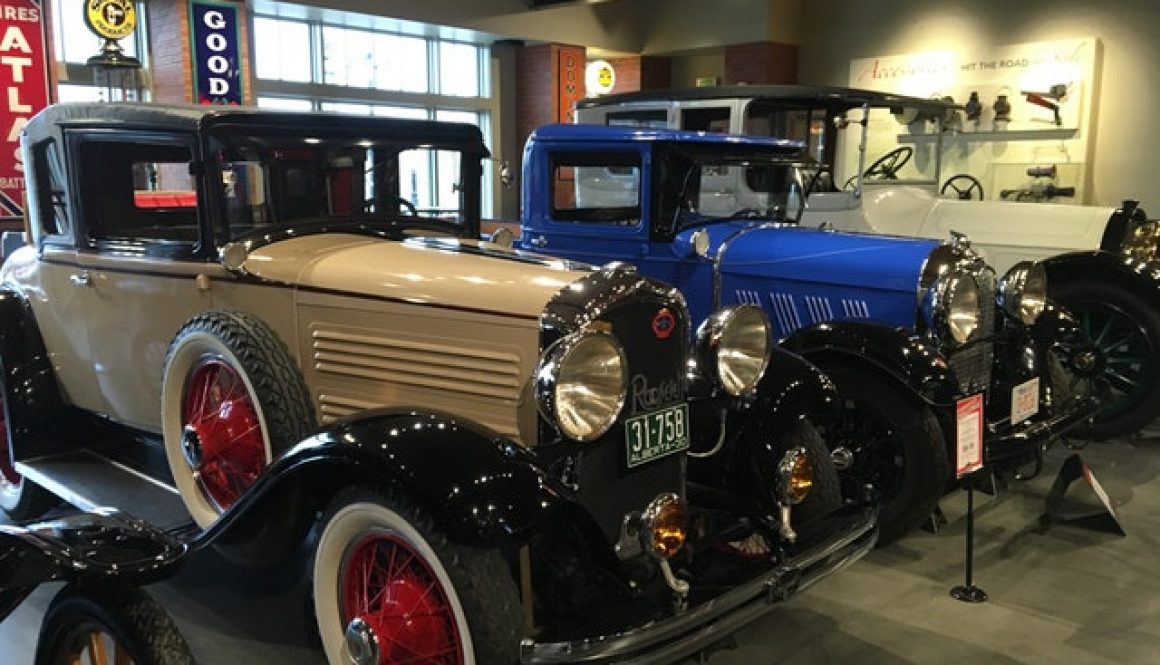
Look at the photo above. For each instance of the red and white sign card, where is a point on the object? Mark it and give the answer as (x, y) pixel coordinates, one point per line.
(969, 435)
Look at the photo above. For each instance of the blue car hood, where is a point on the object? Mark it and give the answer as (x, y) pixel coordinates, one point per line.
(822, 257)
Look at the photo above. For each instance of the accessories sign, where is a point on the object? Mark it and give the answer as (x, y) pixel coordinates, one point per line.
(24, 77)
(217, 75)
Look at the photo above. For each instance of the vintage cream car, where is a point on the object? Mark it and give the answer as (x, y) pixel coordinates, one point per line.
(249, 318)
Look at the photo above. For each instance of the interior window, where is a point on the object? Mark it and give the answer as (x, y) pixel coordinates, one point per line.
(139, 190)
(51, 189)
(600, 187)
(656, 119)
(706, 119)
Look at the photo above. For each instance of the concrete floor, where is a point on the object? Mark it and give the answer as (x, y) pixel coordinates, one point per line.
(1058, 595)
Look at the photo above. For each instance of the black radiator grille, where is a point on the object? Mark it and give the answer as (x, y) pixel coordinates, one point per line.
(973, 364)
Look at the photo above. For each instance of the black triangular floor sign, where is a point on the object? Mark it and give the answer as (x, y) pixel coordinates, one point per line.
(1104, 520)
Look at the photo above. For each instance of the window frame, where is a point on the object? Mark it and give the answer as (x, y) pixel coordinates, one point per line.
(152, 247)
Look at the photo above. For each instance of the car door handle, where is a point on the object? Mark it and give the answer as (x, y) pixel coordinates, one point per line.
(81, 279)
(539, 241)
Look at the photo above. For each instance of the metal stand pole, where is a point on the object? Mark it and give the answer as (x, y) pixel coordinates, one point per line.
(969, 593)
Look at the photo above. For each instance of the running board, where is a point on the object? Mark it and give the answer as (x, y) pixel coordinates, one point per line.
(89, 480)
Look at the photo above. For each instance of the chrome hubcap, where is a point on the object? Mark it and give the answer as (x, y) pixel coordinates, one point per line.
(361, 643)
(843, 458)
(191, 446)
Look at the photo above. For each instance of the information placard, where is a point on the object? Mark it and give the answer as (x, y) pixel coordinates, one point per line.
(969, 435)
(1024, 401)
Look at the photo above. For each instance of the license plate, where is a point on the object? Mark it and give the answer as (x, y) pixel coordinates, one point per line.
(654, 435)
(1024, 401)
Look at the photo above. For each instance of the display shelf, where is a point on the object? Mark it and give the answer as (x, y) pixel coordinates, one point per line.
(1058, 133)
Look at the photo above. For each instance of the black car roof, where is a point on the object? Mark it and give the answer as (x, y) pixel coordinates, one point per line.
(142, 116)
(832, 98)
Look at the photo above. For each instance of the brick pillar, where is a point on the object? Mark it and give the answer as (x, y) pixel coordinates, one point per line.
(542, 94)
(641, 72)
(171, 64)
(761, 62)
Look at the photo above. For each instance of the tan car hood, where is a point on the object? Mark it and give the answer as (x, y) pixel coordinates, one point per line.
(462, 274)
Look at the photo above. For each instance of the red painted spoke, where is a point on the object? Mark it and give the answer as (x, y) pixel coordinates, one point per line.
(395, 591)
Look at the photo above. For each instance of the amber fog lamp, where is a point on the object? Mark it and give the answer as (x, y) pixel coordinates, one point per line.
(797, 475)
(664, 525)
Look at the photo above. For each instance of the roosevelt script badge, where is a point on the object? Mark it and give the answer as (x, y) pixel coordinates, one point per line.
(647, 397)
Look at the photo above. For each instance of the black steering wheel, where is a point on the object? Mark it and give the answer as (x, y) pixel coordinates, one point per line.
(887, 166)
(965, 186)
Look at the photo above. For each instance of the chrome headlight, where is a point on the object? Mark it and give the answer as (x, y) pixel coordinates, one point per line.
(733, 347)
(952, 307)
(582, 384)
(1023, 291)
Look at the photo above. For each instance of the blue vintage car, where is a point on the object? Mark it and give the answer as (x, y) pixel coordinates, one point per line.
(910, 329)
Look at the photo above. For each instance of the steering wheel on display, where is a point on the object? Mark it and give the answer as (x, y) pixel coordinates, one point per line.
(965, 186)
(887, 166)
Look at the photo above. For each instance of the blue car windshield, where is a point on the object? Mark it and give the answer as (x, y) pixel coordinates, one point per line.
(708, 188)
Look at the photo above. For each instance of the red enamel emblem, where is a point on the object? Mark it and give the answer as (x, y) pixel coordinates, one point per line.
(664, 323)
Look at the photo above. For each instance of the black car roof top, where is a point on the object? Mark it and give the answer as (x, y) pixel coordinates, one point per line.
(192, 118)
(833, 98)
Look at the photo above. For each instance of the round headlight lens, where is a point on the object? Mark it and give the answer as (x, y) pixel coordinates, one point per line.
(962, 308)
(742, 350)
(1023, 291)
(591, 382)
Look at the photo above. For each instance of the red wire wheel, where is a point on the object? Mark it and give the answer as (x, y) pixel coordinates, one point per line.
(222, 432)
(394, 591)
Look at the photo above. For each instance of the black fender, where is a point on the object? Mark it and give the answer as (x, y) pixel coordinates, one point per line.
(1140, 278)
(481, 489)
(105, 548)
(792, 390)
(36, 410)
(895, 353)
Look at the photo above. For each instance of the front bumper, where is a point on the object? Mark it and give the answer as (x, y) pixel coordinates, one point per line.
(1003, 442)
(849, 534)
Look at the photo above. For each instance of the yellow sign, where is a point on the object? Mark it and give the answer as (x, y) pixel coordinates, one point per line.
(111, 19)
(599, 77)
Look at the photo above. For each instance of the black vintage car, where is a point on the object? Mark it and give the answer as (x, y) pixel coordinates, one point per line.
(230, 321)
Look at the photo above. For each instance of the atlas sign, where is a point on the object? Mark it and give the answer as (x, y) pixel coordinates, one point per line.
(24, 78)
(217, 65)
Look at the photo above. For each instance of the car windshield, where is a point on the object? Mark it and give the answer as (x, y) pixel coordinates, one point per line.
(281, 178)
(708, 186)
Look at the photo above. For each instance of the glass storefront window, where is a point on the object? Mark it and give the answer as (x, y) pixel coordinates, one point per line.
(285, 103)
(459, 69)
(281, 50)
(362, 59)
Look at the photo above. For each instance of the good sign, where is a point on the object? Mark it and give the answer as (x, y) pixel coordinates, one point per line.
(214, 32)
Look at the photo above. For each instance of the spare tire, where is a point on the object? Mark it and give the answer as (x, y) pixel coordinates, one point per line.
(232, 400)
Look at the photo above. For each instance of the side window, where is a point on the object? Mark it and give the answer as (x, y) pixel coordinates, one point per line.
(713, 119)
(51, 189)
(599, 187)
(139, 190)
(657, 119)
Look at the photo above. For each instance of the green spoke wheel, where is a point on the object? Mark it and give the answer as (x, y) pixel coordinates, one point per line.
(1125, 331)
